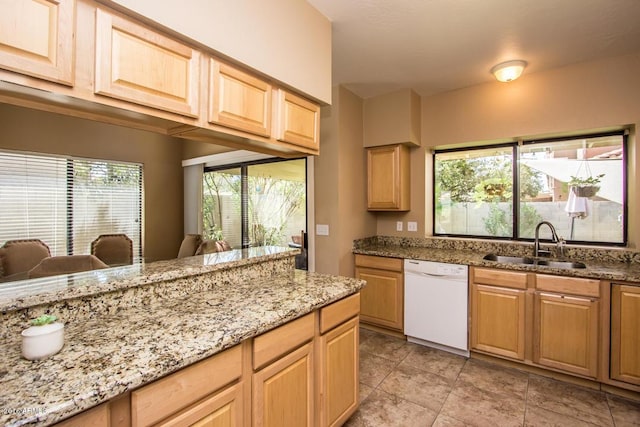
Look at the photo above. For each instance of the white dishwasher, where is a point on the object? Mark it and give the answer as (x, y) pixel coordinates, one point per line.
(435, 305)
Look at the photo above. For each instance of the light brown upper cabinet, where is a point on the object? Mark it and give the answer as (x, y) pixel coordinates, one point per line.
(36, 38)
(136, 64)
(625, 330)
(388, 178)
(239, 100)
(298, 121)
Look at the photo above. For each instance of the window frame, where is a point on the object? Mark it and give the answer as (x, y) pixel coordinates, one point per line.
(515, 236)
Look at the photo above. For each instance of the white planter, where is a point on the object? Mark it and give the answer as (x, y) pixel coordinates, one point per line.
(39, 342)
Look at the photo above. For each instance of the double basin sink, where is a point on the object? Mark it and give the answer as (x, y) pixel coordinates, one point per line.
(534, 261)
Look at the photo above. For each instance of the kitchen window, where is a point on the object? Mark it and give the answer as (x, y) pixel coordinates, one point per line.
(68, 202)
(576, 183)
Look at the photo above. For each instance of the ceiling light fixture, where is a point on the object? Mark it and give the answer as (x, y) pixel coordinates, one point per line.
(508, 71)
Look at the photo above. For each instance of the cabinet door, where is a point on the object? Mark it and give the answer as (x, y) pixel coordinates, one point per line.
(239, 100)
(137, 64)
(625, 334)
(339, 373)
(566, 333)
(36, 38)
(223, 409)
(382, 300)
(388, 175)
(298, 121)
(498, 320)
(283, 391)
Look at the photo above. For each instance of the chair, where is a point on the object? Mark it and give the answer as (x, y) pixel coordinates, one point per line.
(189, 245)
(207, 247)
(113, 249)
(53, 266)
(17, 257)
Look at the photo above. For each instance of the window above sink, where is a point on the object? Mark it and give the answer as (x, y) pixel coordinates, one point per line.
(502, 191)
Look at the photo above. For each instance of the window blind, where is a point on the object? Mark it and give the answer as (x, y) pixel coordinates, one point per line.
(68, 202)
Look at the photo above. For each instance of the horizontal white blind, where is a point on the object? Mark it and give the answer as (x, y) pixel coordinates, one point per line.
(68, 202)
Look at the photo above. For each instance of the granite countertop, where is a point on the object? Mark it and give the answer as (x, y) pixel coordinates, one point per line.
(105, 358)
(26, 293)
(597, 268)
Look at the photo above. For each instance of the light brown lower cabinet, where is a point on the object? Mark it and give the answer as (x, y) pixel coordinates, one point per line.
(94, 417)
(625, 333)
(382, 300)
(566, 333)
(497, 320)
(283, 391)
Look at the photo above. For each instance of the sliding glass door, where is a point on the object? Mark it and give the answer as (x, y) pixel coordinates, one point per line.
(257, 204)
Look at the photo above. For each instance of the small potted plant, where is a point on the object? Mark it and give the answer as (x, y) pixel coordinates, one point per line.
(44, 338)
(585, 187)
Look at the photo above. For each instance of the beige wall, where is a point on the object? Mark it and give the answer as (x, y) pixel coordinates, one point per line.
(580, 97)
(37, 131)
(288, 40)
(340, 185)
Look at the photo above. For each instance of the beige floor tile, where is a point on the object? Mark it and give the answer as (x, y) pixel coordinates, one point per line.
(479, 407)
(625, 412)
(445, 421)
(374, 369)
(385, 410)
(365, 391)
(491, 377)
(386, 346)
(538, 417)
(570, 400)
(420, 387)
(439, 362)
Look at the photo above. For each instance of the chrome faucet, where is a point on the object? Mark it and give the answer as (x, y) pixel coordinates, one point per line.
(554, 238)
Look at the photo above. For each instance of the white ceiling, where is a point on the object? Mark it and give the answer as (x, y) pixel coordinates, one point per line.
(435, 46)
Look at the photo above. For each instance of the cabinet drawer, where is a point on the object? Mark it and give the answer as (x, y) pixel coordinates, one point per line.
(96, 417)
(166, 396)
(282, 340)
(338, 312)
(568, 285)
(136, 64)
(381, 263)
(508, 279)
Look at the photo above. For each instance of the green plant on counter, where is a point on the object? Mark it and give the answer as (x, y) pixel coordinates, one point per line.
(45, 319)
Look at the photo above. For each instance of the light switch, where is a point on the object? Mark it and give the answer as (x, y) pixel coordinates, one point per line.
(322, 229)
(412, 226)
(398, 225)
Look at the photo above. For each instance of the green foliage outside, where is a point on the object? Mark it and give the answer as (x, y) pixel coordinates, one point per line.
(489, 180)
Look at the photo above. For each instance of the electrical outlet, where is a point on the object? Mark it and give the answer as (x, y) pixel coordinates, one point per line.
(398, 225)
(322, 229)
(412, 226)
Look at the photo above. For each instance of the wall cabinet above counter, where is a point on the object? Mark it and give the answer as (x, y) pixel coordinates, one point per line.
(92, 62)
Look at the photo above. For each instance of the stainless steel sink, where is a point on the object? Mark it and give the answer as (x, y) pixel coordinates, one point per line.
(560, 264)
(531, 261)
(509, 259)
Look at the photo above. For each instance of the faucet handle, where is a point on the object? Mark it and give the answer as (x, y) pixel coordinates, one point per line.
(561, 245)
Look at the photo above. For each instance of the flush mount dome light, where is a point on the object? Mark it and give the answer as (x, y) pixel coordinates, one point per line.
(508, 71)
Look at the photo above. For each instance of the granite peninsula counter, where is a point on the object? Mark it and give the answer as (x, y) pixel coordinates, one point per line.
(194, 309)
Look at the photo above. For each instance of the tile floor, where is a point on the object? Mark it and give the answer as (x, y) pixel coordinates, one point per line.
(404, 384)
